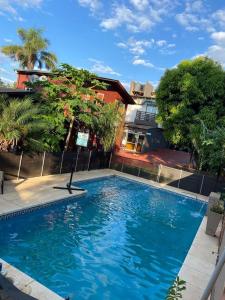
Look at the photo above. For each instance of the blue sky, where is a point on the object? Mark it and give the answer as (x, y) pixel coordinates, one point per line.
(125, 40)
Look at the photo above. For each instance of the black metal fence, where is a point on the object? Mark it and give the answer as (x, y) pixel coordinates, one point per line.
(23, 165)
(190, 181)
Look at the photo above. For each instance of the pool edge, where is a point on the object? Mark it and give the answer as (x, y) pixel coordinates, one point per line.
(183, 273)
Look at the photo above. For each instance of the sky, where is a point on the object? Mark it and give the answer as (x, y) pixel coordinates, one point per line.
(125, 40)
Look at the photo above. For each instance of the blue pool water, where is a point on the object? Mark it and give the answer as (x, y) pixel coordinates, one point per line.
(123, 240)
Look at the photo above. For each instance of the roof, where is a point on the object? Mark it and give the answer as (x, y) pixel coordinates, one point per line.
(14, 92)
(128, 99)
(116, 84)
(30, 72)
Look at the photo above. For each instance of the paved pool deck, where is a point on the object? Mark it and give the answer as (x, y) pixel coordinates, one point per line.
(29, 193)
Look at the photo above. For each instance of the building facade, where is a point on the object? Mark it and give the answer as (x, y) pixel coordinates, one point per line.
(141, 131)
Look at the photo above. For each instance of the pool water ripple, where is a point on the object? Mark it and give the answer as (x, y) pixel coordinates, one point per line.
(121, 240)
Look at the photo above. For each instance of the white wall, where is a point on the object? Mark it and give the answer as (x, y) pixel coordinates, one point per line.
(132, 109)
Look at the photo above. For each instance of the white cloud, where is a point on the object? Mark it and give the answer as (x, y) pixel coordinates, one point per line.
(4, 71)
(7, 40)
(142, 62)
(140, 4)
(219, 37)
(145, 63)
(7, 80)
(217, 50)
(195, 17)
(136, 47)
(93, 5)
(217, 53)
(121, 14)
(161, 43)
(10, 7)
(219, 17)
(140, 47)
(135, 15)
(99, 67)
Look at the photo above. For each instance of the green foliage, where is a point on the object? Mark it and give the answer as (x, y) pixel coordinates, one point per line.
(191, 93)
(175, 291)
(21, 125)
(209, 146)
(68, 98)
(106, 125)
(33, 50)
(184, 92)
(218, 207)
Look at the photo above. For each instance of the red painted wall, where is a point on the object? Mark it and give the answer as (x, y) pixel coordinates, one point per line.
(109, 96)
(21, 78)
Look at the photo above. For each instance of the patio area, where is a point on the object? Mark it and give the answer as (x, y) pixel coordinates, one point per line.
(166, 157)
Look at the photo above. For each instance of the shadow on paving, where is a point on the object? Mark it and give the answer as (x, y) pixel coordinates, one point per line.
(8, 291)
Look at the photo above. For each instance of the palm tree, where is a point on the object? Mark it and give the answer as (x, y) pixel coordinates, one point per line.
(20, 124)
(33, 50)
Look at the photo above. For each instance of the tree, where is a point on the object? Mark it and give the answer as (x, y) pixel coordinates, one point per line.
(33, 50)
(21, 125)
(70, 103)
(210, 147)
(193, 91)
(106, 125)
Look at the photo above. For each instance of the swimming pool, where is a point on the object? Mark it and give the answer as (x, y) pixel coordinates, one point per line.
(123, 239)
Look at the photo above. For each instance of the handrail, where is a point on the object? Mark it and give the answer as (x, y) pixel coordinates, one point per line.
(214, 277)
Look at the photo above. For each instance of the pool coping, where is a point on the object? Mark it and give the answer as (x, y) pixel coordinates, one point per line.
(198, 244)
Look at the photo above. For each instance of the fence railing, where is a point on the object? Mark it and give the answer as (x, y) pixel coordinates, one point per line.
(23, 165)
(190, 181)
(145, 118)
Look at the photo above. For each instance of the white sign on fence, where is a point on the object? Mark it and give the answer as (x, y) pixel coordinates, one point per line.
(82, 139)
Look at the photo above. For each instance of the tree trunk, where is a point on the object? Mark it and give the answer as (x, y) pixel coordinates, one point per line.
(4, 145)
(69, 133)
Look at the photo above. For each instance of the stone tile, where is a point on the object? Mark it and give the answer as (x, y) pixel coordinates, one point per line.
(37, 290)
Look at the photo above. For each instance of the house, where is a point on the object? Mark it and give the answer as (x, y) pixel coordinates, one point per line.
(115, 91)
(141, 132)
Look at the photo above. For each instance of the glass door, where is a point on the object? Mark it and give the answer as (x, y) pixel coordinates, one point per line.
(140, 142)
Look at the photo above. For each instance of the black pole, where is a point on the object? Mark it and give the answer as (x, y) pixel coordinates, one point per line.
(69, 184)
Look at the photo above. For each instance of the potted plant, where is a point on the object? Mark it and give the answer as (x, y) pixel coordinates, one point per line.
(215, 215)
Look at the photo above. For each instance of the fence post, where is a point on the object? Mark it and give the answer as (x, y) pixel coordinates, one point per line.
(110, 160)
(89, 160)
(203, 177)
(20, 163)
(43, 163)
(159, 172)
(61, 163)
(181, 171)
(75, 169)
(139, 171)
(122, 167)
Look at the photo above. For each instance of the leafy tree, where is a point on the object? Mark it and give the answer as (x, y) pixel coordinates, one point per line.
(210, 147)
(106, 125)
(21, 125)
(192, 91)
(33, 50)
(70, 102)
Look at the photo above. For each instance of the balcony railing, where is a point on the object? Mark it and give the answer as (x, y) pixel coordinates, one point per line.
(145, 118)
